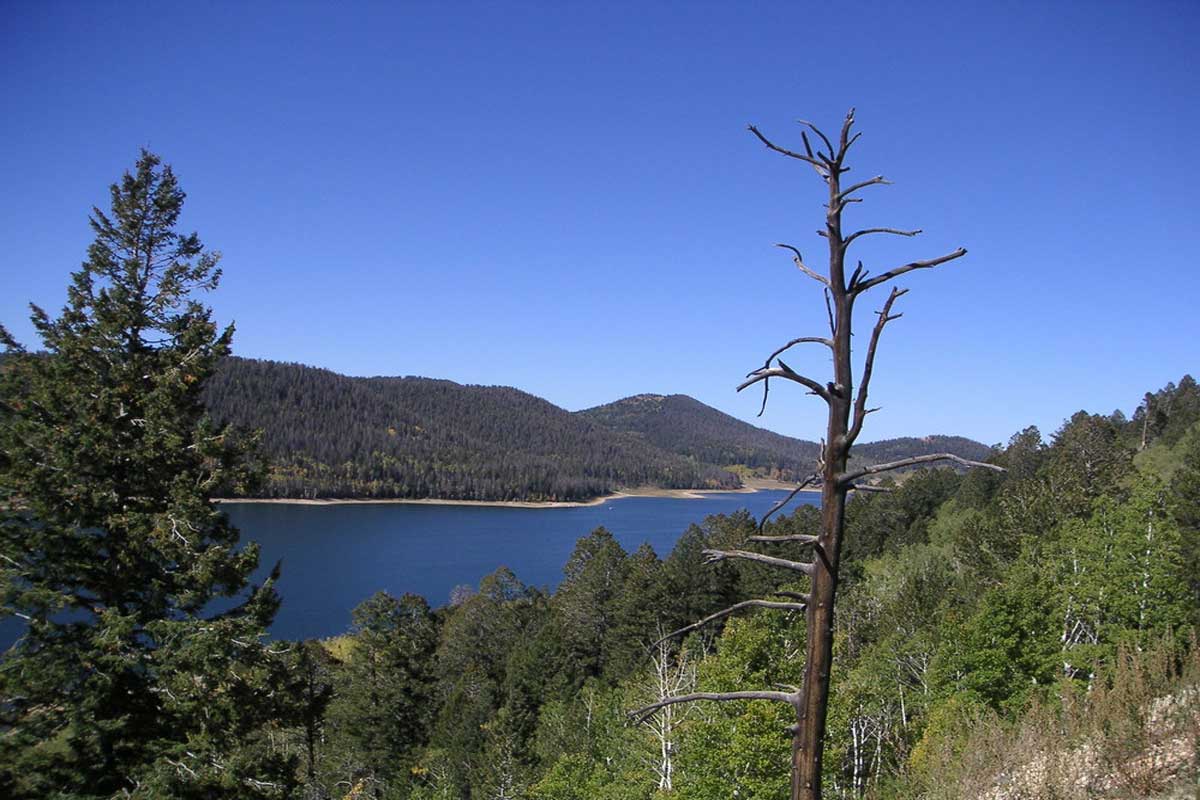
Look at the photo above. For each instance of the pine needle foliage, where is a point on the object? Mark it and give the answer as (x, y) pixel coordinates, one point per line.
(125, 681)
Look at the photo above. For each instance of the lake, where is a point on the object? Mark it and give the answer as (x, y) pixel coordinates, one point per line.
(335, 556)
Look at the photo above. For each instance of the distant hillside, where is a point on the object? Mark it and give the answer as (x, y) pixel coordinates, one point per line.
(686, 426)
(683, 425)
(893, 449)
(328, 435)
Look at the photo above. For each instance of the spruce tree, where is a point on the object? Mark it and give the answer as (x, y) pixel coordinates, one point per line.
(382, 709)
(125, 682)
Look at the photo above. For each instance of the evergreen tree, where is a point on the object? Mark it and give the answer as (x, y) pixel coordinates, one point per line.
(638, 613)
(112, 549)
(1186, 490)
(586, 601)
(382, 712)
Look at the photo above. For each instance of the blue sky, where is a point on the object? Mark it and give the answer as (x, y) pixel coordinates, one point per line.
(563, 197)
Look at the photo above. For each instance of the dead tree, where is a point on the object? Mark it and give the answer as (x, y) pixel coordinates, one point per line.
(847, 412)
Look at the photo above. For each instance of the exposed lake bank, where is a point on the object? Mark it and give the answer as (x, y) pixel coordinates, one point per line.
(751, 485)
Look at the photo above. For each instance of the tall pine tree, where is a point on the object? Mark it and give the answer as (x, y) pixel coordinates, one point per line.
(124, 682)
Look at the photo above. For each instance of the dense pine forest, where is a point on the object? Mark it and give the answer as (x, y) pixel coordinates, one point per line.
(326, 435)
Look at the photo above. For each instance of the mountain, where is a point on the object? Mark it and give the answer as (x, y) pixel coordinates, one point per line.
(328, 435)
(684, 425)
(894, 449)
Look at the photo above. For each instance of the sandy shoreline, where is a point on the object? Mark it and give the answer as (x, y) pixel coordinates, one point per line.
(752, 485)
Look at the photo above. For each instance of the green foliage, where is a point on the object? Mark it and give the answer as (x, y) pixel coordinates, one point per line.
(878, 524)
(381, 714)
(1166, 415)
(1006, 651)
(1131, 733)
(123, 681)
(1162, 459)
(693, 591)
(1088, 460)
(1185, 508)
(639, 613)
(1119, 577)
(743, 749)
(590, 750)
(587, 601)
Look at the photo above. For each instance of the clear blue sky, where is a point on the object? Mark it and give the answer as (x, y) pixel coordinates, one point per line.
(563, 197)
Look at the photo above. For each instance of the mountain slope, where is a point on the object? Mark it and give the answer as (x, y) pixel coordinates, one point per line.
(905, 446)
(683, 425)
(686, 426)
(328, 435)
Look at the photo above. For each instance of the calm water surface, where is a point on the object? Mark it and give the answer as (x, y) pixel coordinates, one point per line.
(335, 556)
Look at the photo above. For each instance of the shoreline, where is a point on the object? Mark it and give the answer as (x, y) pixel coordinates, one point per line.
(750, 487)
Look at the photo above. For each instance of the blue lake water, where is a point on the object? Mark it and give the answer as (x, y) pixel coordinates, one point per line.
(335, 556)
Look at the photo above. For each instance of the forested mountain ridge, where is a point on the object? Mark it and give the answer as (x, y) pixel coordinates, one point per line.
(905, 446)
(684, 425)
(329, 435)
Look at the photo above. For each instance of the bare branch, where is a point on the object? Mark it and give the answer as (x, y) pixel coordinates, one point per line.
(766, 392)
(875, 469)
(725, 612)
(801, 340)
(800, 596)
(784, 371)
(714, 556)
(867, 231)
(860, 403)
(798, 260)
(877, 180)
(867, 487)
(811, 479)
(802, 538)
(858, 273)
(845, 141)
(829, 310)
(819, 166)
(807, 146)
(644, 713)
(817, 131)
(898, 271)
(767, 364)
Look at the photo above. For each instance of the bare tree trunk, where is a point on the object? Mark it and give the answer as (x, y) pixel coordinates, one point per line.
(809, 739)
(847, 413)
